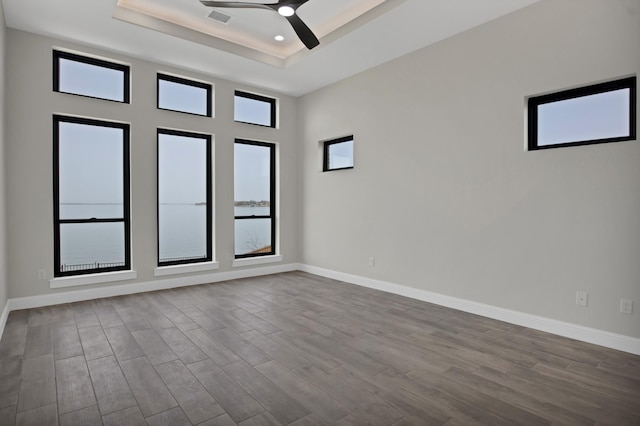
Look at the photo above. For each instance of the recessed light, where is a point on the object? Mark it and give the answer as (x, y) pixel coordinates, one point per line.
(286, 11)
(279, 38)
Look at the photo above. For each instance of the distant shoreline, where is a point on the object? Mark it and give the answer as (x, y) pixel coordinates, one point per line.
(251, 203)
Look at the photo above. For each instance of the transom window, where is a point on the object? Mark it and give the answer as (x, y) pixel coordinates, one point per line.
(254, 109)
(85, 76)
(184, 197)
(91, 193)
(338, 154)
(599, 113)
(182, 95)
(255, 198)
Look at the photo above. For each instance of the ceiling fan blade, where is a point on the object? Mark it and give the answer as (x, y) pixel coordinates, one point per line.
(304, 32)
(293, 3)
(234, 4)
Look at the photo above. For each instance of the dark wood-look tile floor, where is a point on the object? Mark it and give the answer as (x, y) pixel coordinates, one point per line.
(297, 349)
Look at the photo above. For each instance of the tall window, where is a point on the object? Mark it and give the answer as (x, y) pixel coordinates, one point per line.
(255, 201)
(95, 78)
(254, 109)
(184, 198)
(91, 196)
(182, 95)
(599, 113)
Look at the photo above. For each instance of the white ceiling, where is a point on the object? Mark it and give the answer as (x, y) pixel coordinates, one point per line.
(178, 36)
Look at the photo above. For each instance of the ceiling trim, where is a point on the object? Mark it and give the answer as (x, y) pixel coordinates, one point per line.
(140, 19)
(136, 17)
(350, 26)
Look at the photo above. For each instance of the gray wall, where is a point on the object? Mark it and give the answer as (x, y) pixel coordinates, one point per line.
(3, 206)
(29, 159)
(444, 194)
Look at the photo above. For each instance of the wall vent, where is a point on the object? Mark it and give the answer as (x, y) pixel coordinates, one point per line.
(219, 16)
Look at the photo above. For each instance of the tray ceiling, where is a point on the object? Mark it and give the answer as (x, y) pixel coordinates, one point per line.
(250, 32)
(355, 35)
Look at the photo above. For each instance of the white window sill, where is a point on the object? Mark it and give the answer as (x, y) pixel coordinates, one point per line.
(185, 269)
(104, 277)
(258, 260)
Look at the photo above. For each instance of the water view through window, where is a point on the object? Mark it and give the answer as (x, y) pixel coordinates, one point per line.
(184, 197)
(91, 246)
(91, 186)
(254, 180)
(182, 209)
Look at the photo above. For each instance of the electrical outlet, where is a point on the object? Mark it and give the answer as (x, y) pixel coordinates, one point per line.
(372, 261)
(626, 306)
(582, 298)
(42, 274)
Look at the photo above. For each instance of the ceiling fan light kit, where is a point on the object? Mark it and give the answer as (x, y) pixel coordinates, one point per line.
(286, 8)
(286, 11)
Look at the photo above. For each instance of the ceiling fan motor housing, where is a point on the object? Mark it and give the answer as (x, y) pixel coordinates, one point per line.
(286, 8)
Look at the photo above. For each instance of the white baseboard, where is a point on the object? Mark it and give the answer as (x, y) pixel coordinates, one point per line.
(3, 318)
(121, 290)
(573, 331)
(590, 335)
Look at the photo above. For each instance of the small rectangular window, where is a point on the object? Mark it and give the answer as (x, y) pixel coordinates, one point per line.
(254, 109)
(599, 113)
(95, 78)
(91, 194)
(184, 198)
(182, 95)
(338, 154)
(254, 199)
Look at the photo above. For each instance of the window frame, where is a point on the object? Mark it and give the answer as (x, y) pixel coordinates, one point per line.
(272, 196)
(271, 101)
(126, 195)
(125, 69)
(209, 190)
(325, 153)
(187, 82)
(535, 101)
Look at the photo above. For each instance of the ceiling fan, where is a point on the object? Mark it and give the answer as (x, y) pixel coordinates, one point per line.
(286, 8)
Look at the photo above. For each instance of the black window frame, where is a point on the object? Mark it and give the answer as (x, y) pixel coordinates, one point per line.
(209, 190)
(272, 104)
(125, 69)
(187, 82)
(325, 153)
(126, 202)
(535, 101)
(272, 202)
